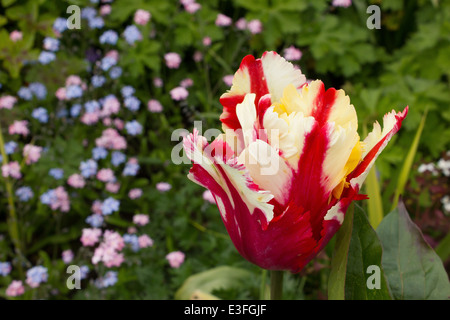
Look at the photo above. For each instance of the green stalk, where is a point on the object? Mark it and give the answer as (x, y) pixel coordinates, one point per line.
(276, 285)
(13, 225)
(407, 164)
(262, 289)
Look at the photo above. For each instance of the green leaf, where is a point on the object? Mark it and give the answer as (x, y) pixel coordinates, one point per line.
(365, 279)
(414, 271)
(374, 203)
(336, 280)
(201, 285)
(407, 164)
(443, 248)
(356, 270)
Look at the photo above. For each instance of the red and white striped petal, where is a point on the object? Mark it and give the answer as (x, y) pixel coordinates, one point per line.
(280, 73)
(215, 167)
(268, 75)
(268, 170)
(375, 143)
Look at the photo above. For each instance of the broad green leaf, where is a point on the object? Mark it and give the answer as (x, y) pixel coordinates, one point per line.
(356, 270)
(374, 203)
(443, 249)
(404, 173)
(336, 280)
(414, 271)
(202, 284)
(365, 279)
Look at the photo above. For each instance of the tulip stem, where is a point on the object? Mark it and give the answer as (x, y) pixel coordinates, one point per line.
(276, 285)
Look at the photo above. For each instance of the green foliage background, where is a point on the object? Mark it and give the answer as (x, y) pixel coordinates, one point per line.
(405, 63)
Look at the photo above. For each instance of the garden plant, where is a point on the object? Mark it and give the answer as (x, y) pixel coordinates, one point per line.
(224, 149)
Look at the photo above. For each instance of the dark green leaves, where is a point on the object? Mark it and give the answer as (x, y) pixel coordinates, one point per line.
(413, 269)
(356, 271)
(393, 262)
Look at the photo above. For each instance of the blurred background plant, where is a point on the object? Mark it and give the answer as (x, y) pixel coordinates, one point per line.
(87, 117)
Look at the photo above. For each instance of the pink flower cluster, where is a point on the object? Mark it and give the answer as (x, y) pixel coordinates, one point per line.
(7, 102)
(141, 219)
(12, 170)
(108, 251)
(190, 6)
(111, 139)
(154, 105)
(61, 200)
(292, 53)
(31, 153)
(90, 236)
(15, 289)
(76, 181)
(15, 35)
(173, 60)
(135, 193)
(106, 175)
(19, 127)
(175, 258)
(142, 17)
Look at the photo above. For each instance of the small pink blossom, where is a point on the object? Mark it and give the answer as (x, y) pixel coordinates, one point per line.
(12, 170)
(175, 258)
(208, 196)
(131, 230)
(198, 56)
(228, 79)
(67, 256)
(141, 219)
(172, 59)
(142, 17)
(15, 35)
(292, 53)
(7, 102)
(119, 124)
(241, 24)
(76, 181)
(31, 153)
(206, 41)
(223, 20)
(341, 3)
(255, 26)
(19, 127)
(163, 186)
(135, 193)
(107, 121)
(112, 187)
(111, 139)
(105, 10)
(154, 105)
(106, 175)
(158, 82)
(90, 118)
(179, 93)
(145, 241)
(61, 94)
(111, 105)
(113, 239)
(192, 7)
(110, 258)
(62, 201)
(73, 80)
(113, 54)
(108, 251)
(90, 236)
(15, 289)
(97, 207)
(186, 83)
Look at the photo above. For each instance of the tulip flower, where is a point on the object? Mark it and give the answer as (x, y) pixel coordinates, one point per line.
(289, 163)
